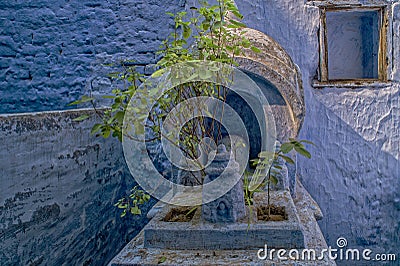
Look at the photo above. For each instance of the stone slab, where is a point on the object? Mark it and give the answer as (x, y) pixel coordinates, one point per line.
(308, 211)
(199, 234)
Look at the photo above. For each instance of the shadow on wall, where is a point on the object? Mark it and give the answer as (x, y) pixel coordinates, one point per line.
(355, 183)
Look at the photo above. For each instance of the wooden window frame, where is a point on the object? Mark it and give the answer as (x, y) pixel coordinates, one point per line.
(323, 77)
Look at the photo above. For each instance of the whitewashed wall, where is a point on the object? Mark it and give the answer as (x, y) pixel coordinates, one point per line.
(354, 174)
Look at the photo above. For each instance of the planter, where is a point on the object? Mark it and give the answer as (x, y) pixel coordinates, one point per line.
(198, 234)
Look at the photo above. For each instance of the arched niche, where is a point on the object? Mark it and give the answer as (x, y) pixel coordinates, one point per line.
(279, 78)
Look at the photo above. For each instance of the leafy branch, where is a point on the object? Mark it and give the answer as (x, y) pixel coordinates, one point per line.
(133, 202)
(217, 38)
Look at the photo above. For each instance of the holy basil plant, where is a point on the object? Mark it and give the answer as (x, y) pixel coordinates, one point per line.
(205, 33)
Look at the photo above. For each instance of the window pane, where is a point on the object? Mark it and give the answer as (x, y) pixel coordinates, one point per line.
(353, 44)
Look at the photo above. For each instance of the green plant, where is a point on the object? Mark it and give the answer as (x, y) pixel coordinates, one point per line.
(132, 203)
(216, 39)
(249, 193)
(268, 168)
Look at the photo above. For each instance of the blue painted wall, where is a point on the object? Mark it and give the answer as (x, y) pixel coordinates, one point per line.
(56, 205)
(58, 187)
(51, 50)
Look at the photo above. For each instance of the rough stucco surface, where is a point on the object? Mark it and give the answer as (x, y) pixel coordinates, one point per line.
(354, 173)
(58, 187)
(51, 51)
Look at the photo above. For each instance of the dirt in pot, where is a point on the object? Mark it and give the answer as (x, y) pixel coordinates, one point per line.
(278, 213)
(181, 214)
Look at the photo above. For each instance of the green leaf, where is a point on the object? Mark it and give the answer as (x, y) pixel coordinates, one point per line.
(84, 99)
(287, 147)
(205, 26)
(135, 210)
(274, 180)
(265, 154)
(302, 151)
(81, 118)
(158, 73)
(237, 23)
(287, 159)
(237, 14)
(255, 49)
(116, 134)
(106, 133)
(187, 31)
(119, 116)
(162, 260)
(122, 206)
(217, 25)
(307, 141)
(192, 210)
(95, 128)
(246, 43)
(111, 120)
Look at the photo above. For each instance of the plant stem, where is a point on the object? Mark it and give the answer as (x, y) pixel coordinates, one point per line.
(269, 196)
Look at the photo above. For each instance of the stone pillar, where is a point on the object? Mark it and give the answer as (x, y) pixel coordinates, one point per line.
(230, 207)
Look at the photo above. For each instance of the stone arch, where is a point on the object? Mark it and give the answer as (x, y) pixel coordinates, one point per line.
(273, 66)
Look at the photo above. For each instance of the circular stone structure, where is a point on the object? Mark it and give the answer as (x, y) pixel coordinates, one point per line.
(277, 68)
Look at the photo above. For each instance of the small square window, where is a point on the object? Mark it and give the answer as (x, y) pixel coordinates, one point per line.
(353, 44)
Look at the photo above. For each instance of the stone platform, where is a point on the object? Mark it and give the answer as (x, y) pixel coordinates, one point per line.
(199, 234)
(135, 253)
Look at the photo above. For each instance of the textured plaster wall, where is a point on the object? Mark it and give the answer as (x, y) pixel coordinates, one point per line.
(58, 187)
(354, 174)
(51, 51)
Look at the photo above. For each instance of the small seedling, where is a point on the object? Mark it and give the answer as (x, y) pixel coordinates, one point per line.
(131, 204)
(268, 168)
